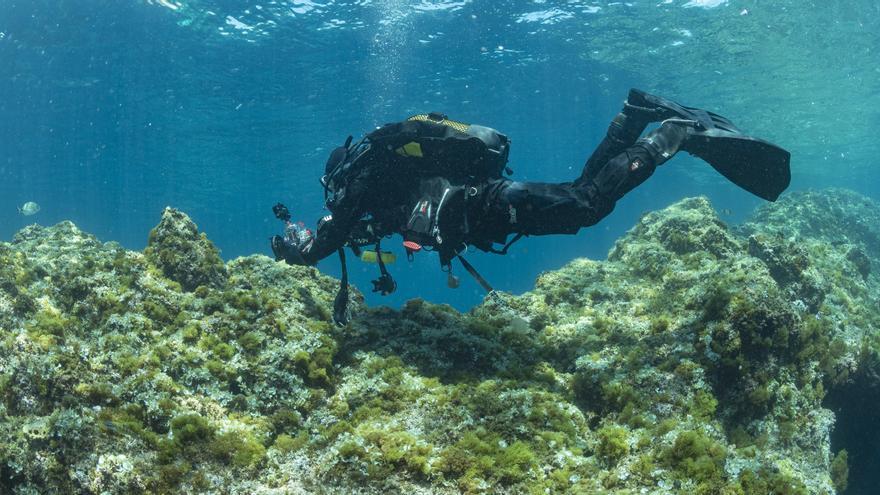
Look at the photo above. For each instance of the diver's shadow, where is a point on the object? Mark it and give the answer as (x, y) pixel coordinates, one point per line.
(442, 343)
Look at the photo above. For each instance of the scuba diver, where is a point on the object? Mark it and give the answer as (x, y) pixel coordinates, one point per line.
(441, 184)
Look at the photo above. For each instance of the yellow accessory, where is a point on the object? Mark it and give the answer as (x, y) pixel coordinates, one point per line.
(458, 126)
(410, 149)
(370, 257)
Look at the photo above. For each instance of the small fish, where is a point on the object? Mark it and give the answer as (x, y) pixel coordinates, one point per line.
(29, 208)
(726, 212)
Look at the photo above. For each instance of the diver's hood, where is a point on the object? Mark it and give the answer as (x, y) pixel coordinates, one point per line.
(336, 158)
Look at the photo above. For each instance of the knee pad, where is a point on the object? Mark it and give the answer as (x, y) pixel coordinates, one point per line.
(624, 172)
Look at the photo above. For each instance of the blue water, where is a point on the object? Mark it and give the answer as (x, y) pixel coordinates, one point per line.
(111, 110)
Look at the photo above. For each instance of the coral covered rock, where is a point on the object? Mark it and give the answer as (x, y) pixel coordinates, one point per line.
(696, 359)
(183, 254)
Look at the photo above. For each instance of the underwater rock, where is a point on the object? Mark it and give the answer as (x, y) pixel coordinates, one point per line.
(183, 254)
(789, 265)
(860, 260)
(834, 217)
(698, 358)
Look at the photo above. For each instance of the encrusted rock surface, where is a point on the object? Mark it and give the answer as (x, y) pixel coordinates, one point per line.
(183, 254)
(697, 359)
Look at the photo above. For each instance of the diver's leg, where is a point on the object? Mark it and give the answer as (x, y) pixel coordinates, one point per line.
(536, 208)
(623, 131)
(539, 208)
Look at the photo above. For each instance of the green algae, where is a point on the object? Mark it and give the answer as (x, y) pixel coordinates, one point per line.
(696, 456)
(840, 470)
(480, 457)
(239, 448)
(613, 443)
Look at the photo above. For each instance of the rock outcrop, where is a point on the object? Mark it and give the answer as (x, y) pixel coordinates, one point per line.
(183, 254)
(698, 358)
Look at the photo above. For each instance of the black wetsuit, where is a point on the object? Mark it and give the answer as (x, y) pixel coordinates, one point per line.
(495, 208)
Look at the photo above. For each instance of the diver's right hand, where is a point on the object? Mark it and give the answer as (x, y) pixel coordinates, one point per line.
(287, 251)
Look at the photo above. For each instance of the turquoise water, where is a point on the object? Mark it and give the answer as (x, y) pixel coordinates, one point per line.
(113, 110)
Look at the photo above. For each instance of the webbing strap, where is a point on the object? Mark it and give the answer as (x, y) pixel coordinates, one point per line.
(385, 284)
(340, 303)
(507, 246)
(474, 273)
(344, 279)
(382, 269)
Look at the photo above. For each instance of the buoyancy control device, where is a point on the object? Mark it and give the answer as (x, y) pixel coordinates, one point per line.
(448, 160)
(424, 145)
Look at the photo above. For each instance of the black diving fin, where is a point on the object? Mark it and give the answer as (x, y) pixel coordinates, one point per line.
(758, 166)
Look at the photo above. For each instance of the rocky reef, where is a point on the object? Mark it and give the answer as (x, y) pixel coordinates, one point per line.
(698, 358)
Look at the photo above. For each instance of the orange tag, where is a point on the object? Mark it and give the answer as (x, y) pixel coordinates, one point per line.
(412, 246)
